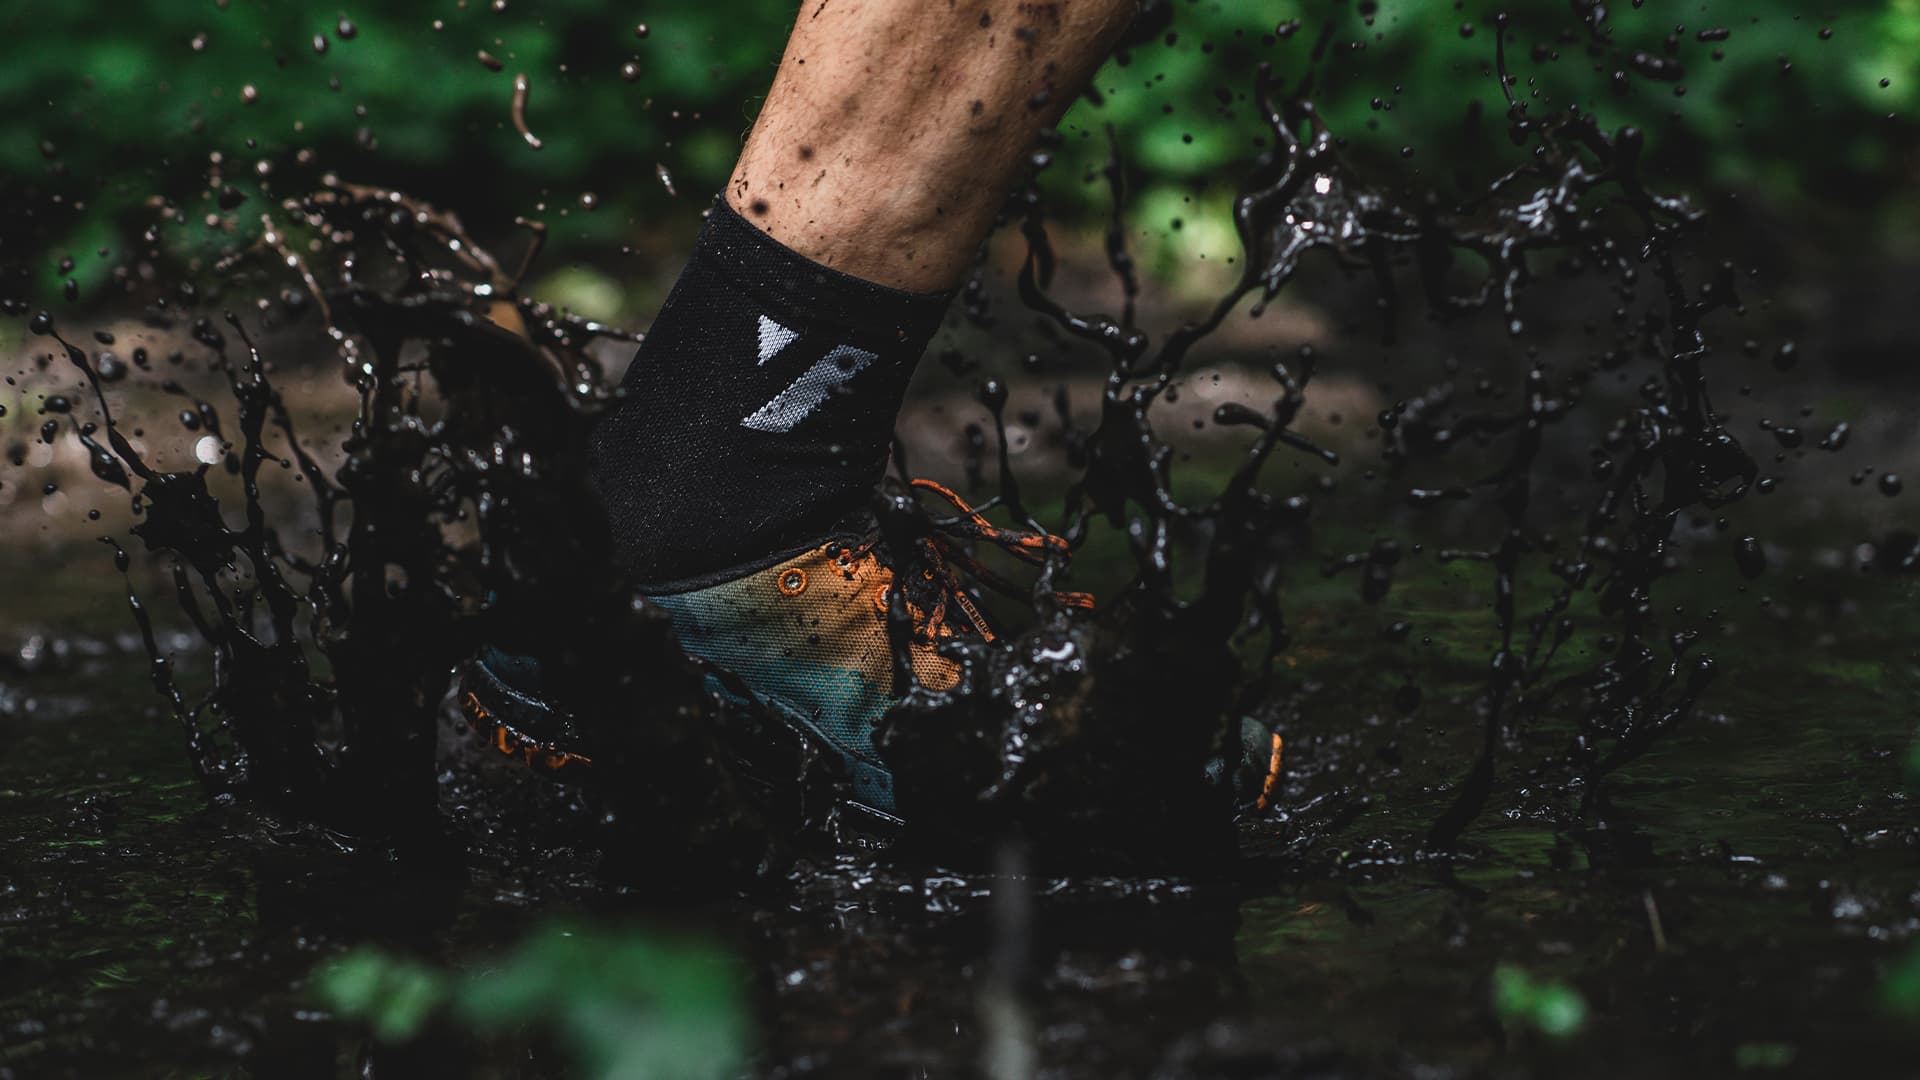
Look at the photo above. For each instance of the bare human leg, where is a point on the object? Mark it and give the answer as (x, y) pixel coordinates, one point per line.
(894, 127)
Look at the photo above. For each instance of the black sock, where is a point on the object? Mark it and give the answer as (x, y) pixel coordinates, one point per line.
(759, 410)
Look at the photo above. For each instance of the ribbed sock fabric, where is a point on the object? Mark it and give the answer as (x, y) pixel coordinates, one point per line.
(759, 410)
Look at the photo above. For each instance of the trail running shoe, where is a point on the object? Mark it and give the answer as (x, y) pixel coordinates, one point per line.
(807, 637)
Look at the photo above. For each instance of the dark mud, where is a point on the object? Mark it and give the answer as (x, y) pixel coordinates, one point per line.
(1506, 747)
(1773, 853)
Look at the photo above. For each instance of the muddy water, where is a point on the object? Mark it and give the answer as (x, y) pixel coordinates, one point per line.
(1542, 724)
(1770, 844)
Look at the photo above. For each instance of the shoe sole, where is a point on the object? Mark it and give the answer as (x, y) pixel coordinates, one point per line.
(503, 717)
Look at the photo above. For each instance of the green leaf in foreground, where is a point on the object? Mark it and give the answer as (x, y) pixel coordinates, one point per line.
(627, 1004)
(1550, 1007)
(393, 994)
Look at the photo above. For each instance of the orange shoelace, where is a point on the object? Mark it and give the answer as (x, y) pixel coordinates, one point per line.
(1033, 548)
(941, 560)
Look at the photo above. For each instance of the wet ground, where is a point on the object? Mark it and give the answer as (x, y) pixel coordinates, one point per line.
(1746, 907)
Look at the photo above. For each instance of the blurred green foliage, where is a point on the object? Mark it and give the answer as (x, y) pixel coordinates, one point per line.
(1900, 990)
(1545, 1005)
(111, 106)
(625, 1004)
(1764, 1055)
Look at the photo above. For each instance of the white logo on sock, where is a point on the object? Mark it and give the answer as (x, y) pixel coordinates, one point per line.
(810, 390)
(773, 338)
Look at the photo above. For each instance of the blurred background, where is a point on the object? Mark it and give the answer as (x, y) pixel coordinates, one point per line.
(1797, 121)
(140, 147)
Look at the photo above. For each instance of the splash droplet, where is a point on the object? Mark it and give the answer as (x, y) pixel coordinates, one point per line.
(520, 90)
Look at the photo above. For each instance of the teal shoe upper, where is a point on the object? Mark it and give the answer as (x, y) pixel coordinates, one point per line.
(809, 637)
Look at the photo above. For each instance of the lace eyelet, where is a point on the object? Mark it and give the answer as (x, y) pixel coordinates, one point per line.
(792, 581)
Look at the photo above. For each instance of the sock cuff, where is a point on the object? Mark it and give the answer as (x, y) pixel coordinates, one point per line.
(759, 409)
(784, 280)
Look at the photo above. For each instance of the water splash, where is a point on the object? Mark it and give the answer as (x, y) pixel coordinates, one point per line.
(1091, 738)
(461, 517)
